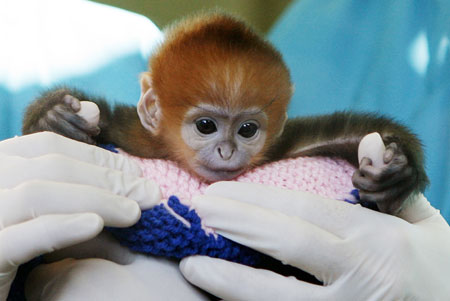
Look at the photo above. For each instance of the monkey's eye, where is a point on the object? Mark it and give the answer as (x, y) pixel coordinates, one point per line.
(248, 129)
(206, 126)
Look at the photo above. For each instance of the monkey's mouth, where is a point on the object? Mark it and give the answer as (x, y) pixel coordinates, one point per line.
(218, 174)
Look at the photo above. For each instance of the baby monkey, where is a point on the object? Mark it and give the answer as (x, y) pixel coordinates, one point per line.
(215, 101)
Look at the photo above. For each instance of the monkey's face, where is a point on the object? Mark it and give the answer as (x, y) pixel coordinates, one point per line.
(224, 142)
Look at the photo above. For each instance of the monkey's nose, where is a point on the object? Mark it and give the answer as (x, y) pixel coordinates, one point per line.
(225, 151)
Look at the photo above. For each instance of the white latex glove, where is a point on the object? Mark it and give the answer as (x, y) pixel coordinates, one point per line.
(143, 278)
(358, 254)
(56, 192)
(124, 275)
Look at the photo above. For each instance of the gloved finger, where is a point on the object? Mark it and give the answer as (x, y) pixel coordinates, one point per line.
(22, 242)
(418, 209)
(103, 246)
(88, 279)
(310, 207)
(38, 198)
(35, 145)
(232, 281)
(55, 167)
(287, 238)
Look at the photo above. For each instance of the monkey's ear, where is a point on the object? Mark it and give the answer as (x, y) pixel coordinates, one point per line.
(145, 79)
(292, 89)
(148, 107)
(285, 118)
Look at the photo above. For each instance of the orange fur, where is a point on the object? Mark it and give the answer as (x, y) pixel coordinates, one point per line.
(218, 59)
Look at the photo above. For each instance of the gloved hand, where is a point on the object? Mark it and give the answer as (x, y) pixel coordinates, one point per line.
(358, 254)
(142, 278)
(56, 192)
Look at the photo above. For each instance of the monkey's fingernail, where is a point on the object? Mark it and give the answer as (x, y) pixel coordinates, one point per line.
(393, 146)
(72, 102)
(365, 161)
(388, 155)
(67, 99)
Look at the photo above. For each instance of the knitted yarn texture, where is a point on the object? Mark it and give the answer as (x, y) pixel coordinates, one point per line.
(160, 233)
(328, 177)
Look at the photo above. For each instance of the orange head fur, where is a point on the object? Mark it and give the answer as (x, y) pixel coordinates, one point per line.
(217, 59)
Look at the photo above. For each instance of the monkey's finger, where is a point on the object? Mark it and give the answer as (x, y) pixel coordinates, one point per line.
(78, 120)
(24, 241)
(389, 153)
(389, 200)
(44, 143)
(72, 102)
(361, 182)
(232, 281)
(391, 150)
(70, 125)
(390, 207)
(398, 161)
(364, 180)
(365, 161)
(61, 169)
(397, 167)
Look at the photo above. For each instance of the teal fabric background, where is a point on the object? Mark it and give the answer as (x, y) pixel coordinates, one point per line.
(49, 44)
(384, 56)
(108, 81)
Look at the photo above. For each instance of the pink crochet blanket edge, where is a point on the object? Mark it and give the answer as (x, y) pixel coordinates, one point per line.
(328, 177)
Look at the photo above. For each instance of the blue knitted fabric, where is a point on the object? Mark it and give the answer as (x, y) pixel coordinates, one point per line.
(159, 233)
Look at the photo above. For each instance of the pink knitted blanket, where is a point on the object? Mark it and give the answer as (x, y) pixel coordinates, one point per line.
(174, 229)
(328, 177)
(159, 233)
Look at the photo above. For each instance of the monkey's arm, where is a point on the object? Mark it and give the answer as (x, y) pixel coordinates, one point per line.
(339, 134)
(56, 111)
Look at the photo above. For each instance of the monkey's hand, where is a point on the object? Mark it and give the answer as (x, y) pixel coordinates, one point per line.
(64, 114)
(385, 175)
